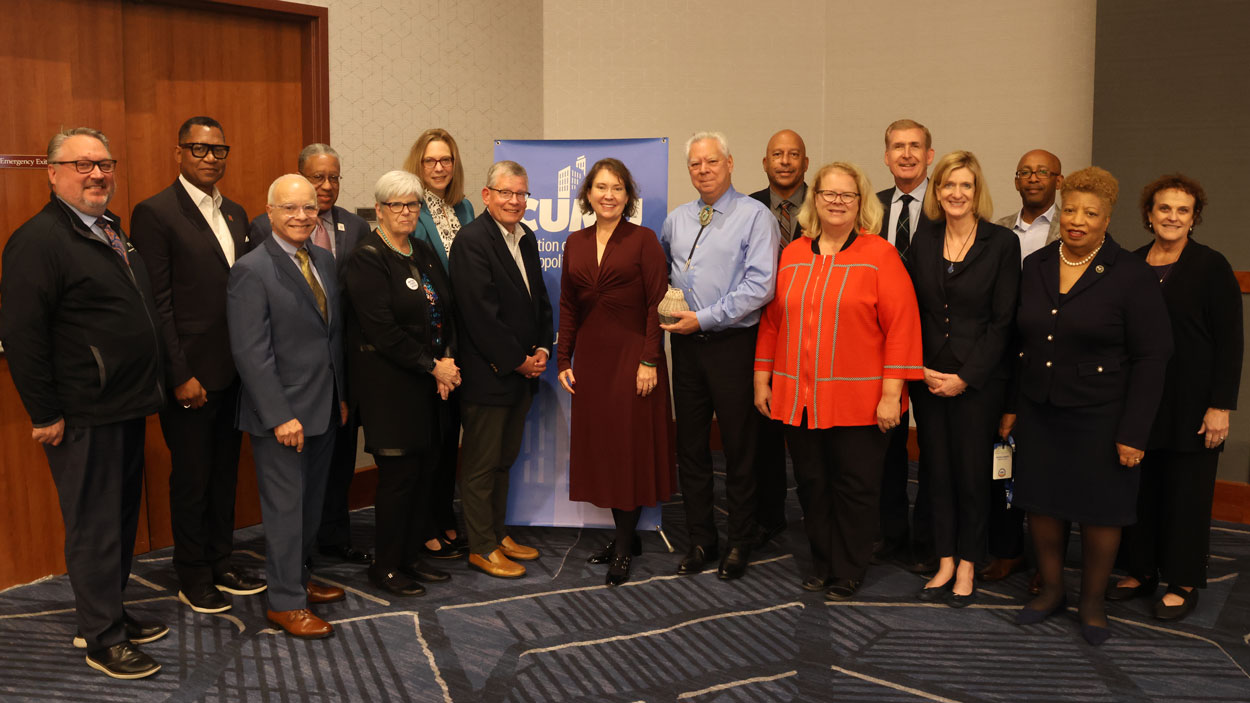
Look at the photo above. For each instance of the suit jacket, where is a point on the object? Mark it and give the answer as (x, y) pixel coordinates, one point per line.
(1204, 304)
(885, 196)
(1010, 221)
(973, 309)
(289, 359)
(348, 230)
(766, 199)
(391, 344)
(428, 231)
(1108, 340)
(500, 322)
(188, 271)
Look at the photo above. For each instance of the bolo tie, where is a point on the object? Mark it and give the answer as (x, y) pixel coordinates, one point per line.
(705, 219)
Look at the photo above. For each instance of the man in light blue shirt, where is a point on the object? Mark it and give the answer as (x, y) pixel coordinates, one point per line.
(722, 254)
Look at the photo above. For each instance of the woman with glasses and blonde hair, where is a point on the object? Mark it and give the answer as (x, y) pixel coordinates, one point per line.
(835, 349)
(966, 271)
(435, 159)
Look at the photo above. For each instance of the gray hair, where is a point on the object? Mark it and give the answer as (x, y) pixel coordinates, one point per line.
(718, 137)
(316, 149)
(58, 139)
(273, 187)
(393, 184)
(504, 168)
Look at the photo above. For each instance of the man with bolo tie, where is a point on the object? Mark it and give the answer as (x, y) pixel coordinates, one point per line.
(722, 254)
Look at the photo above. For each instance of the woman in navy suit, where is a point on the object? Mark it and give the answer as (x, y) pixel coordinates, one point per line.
(435, 159)
(966, 273)
(1094, 344)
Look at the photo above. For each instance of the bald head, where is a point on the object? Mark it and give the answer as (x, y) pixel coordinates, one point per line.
(1037, 191)
(785, 162)
(292, 208)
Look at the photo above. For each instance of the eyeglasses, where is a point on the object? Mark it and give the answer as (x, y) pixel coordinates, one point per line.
(445, 161)
(510, 194)
(397, 207)
(1024, 173)
(199, 150)
(291, 209)
(833, 196)
(320, 178)
(86, 166)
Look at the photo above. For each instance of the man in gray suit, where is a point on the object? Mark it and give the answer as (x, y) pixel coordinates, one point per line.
(1038, 175)
(286, 337)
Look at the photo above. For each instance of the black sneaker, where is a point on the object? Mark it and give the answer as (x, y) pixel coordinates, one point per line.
(204, 599)
(123, 661)
(238, 583)
(137, 632)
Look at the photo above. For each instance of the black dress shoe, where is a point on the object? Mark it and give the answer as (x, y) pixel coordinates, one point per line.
(815, 584)
(843, 589)
(347, 553)
(608, 553)
(957, 601)
(238, 583)
(1030, 616)
(618, 572)
(1095, 634)
(696, 561)
(421, 571)
(447, 549)
(394, 583)
(136, 631)
(1176, 612)
(204, 598)
(936, 594)
(734, 565)
(768, 534)
(1143, 588)
(123, 661)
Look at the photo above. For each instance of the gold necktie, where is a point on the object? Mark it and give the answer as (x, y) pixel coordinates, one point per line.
(306, 268)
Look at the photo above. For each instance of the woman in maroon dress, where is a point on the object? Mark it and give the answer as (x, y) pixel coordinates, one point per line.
(614, 276)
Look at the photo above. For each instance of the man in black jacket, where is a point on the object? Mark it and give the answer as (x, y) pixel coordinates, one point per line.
(79, 328)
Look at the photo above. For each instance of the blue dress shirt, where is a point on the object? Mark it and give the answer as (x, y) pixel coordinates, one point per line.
(731, 275)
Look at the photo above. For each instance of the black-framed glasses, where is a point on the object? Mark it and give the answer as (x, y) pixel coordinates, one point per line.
(87, 166)
(444, 161)
(398, 207)
(510, 194)
(1024, 173)
(833, 196)
(319, 178)
(199, 149)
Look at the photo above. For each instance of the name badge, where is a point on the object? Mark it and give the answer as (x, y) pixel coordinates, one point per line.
(1002, 461)
(342, 228)
(411, 283)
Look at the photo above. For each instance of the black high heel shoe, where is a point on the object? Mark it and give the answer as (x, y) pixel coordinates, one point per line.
(1029, 616)
(605, 555)
(618, 573)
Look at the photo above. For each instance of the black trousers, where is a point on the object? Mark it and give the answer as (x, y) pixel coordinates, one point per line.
(98, 472)
(336, 524)
(204, 453)
(956, 448)
(713, 373)
(403, 491)
(838, 472)
(1172, 534)
(897, 530)
(441, 516)
(770, 474)
(492, 441)
(1006, 525)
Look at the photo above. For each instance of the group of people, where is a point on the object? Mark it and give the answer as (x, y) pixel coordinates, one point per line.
(813, 317)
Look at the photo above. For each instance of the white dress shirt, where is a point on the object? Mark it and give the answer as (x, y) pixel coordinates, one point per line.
(210, 208)
(914, 208)
(1033, 236)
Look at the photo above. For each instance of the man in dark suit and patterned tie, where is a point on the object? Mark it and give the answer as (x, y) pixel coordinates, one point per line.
(908, 154)
(337, 231)
(286, 335)
(785, 165)
(190, 236)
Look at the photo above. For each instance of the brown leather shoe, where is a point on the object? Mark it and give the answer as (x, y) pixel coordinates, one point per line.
(300, 623)
(324, 594)
(517, 551)
(497, 564)
(1035, 584)
(999, 569)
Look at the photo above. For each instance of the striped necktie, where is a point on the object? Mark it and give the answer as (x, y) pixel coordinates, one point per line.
(786, 220)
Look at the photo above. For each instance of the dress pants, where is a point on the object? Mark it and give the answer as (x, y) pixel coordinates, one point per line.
(770, 474)
(441, 516)
(98, 472)
(400, 517)
(956, 448)
(897, 532)
(713, 373)
(1006, 525)
(492, 440)
(838, 472)
(336, 524)
(292, 487)
(1173, 530)
(204, 453)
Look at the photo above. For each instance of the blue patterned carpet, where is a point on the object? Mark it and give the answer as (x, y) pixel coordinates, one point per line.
(560, 635)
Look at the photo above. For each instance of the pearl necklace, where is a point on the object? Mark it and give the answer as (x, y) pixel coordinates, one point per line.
(1084, 261)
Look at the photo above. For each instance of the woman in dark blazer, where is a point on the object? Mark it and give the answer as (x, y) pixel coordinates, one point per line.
(401, 341)
(435, 159)
(966, 273)
(1203, 377)
(1094, 344)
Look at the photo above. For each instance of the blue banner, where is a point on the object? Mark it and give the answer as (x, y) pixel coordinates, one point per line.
(539, 490)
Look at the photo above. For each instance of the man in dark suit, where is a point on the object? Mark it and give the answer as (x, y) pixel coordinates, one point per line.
(505, 317)
(286, 336)
(908, 154)
(85, 354)
(190, 236)
(337, 231)
(785, 165)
